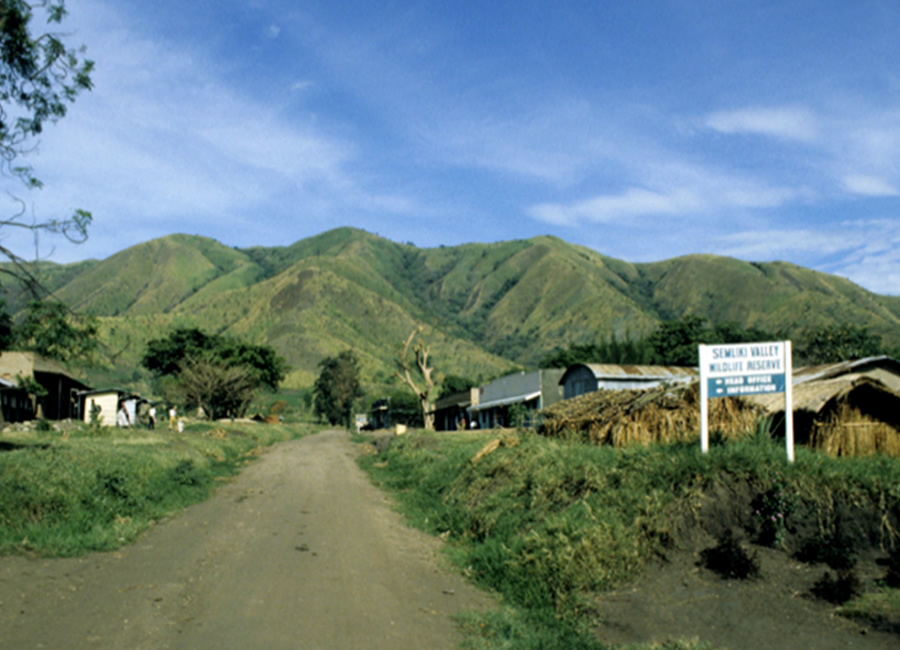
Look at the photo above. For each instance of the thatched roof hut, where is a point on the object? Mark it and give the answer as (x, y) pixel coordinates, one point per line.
(849, 415)
(662, 414)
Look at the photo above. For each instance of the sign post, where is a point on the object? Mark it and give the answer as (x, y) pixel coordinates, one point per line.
(746, 369)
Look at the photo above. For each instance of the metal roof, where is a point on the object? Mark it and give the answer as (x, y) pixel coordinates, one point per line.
(615, 371)
(827, 371)
(506, 400)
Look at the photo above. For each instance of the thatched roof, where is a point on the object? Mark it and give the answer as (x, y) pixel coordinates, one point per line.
(814, 396)
(849, 415)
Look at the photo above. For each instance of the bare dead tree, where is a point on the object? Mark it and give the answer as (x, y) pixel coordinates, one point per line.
(424, 386)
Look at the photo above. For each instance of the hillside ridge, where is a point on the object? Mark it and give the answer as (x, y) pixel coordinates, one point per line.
(486, 307)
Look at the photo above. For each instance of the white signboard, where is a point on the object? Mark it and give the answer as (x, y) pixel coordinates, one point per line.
(739, 369)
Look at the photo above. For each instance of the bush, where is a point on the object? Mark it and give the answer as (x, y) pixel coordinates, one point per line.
(834, 549)
(839, 589)
(729, 560)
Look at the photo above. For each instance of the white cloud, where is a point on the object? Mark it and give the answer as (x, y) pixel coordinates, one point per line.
(868, 185)
(634, 202)
(789, 123)
(164, 144)
(779, 243)
(864, 251)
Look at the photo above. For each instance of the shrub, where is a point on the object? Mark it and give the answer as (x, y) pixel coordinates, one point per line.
(834, 549)
(772, 508)
(839, 589)
(729, 559)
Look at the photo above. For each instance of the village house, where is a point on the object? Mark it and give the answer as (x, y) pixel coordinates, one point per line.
(501, 400)
(452, 412)
(105, 404)
(850, 408)
(15, 405)
(60, 400)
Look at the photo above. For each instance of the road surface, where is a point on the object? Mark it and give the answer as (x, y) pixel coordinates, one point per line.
(299, 551)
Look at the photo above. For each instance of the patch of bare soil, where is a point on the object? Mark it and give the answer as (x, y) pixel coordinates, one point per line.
(299, 551)
(679, 597)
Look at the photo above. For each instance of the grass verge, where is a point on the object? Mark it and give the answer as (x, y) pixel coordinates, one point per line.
(97, 489)
(548, 524)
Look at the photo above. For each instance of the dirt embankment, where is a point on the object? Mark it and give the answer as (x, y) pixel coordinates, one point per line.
(678, 597)
(300, 551)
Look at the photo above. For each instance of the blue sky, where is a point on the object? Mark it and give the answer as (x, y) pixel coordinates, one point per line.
(644, 130)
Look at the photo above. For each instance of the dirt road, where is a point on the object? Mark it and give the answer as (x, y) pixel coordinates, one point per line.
(300, 551)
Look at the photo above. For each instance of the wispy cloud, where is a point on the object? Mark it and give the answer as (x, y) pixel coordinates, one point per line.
(634, 202)
(868, 185)
(789, 123)
(865, 250)
(165, 143)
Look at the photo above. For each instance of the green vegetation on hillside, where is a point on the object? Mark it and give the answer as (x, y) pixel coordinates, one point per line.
(486, 308)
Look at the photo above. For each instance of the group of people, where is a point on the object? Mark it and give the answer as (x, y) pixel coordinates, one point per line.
(123, 418)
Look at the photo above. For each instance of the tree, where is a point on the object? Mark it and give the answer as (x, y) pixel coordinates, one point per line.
(422, 388)
(834, 343)
(219, 373)
(453, 384)
(167, 356)
(221, 391)
(51, 330)
(675, 343)
(337, 388)
(39, 77)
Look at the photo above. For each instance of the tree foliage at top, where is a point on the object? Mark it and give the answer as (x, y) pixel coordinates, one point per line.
(167, 356)
(39, 76)
(452, 384)
(835, 343)
(337, 388)
(608, 351)
(221, 391)
(51, 330)
(217, 373)
(673, 343)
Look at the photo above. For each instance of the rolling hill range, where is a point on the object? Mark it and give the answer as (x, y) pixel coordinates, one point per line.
(486, 308)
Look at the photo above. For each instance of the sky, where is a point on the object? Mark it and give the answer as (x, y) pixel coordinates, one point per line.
(643, 130)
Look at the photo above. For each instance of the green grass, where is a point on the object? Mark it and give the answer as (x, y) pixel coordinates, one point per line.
(881, 608)
(96, 490)
(548, 524)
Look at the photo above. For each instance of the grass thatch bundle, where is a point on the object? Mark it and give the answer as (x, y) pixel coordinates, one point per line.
(663, 414)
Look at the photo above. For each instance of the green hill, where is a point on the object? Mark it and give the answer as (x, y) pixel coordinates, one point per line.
(486, 308)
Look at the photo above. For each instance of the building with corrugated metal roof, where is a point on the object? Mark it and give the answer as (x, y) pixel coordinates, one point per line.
(523, 392)
(584, 378)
